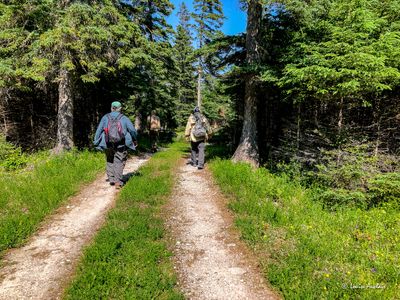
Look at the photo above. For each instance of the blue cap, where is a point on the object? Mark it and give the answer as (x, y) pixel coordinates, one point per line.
(116, 104)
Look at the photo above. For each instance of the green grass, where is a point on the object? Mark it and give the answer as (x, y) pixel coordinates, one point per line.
(308, 252)
(27, 196)
(129, 258)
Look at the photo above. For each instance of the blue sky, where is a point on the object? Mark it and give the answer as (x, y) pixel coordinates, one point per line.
(235, 21)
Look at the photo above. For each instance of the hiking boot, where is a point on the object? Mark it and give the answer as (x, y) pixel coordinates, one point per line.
(112, 183)
(118, 185)
(200, 168)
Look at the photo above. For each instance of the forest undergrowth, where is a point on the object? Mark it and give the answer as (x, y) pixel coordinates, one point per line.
(332, 235)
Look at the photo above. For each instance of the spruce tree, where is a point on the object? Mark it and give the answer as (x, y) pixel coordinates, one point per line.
(345, 57)
(184, 53)
(69, 41)
(208, 17)
(157, 88)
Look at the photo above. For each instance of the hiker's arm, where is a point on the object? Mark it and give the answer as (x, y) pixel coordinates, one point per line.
(148, 125)
(158, 123)
(208, 127)
(188, 127)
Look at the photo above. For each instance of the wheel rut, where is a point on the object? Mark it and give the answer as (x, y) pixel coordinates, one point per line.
(210, 259)
(45, 264)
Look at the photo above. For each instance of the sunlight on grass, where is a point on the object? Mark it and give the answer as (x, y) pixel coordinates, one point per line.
(308, 252)
(29, 195)
(129, 258)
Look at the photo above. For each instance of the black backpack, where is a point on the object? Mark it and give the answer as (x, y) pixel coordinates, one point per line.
(114, 132)
(198, 130)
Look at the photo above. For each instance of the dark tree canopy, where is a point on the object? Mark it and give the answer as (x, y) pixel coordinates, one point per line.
(319, 74)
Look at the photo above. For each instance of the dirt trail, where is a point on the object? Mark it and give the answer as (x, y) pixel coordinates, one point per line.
(41, 268)
(211, 261)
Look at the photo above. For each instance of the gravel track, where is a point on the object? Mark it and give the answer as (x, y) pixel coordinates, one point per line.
(211, 261)
(44, 266)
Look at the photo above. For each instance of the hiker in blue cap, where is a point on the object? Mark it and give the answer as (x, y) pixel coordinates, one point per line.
(115, 135)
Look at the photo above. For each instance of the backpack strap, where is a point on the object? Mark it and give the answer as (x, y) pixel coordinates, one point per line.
(198, 116)
(119, 116)
(108, 121)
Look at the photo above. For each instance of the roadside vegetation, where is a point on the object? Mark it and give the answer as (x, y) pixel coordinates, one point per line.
(33, 186)
(129, 258)
(314, 241)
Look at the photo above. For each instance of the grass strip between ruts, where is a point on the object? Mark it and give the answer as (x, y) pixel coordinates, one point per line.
(306, 251)
(30, 195)
(128, 258)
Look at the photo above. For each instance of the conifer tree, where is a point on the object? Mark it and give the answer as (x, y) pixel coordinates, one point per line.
(208, 17)
(184, 64)
(69, 41)
(345, 57)
(157, 90)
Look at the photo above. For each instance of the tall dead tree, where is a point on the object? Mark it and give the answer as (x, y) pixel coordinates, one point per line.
(247, 150)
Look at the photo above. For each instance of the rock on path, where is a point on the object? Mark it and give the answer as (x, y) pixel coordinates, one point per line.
(43, 267)
(211, 261)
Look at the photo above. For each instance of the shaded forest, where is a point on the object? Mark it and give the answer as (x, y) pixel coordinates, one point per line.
(309, 81)
(305, 111)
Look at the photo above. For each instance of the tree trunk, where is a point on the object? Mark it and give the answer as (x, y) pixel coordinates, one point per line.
(340, 119)
(377, 122)
(64, 3)
(199, 87)
(200, 69)
(247, 150)
(3, 111)
(340, 131)
(298, 127)
(65, 113)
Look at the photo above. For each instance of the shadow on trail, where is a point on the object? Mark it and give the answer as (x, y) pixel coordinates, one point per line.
(127, 176)
(221, 151)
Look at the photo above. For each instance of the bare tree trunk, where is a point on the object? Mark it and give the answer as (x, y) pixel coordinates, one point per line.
(64, 3)
(377, 121)
(65, 113)
(340, 118)
(316, 122)
(298, 127)
(200, 70)
(340, 129)
(247, 151)
(3, 110)
(199, 87)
